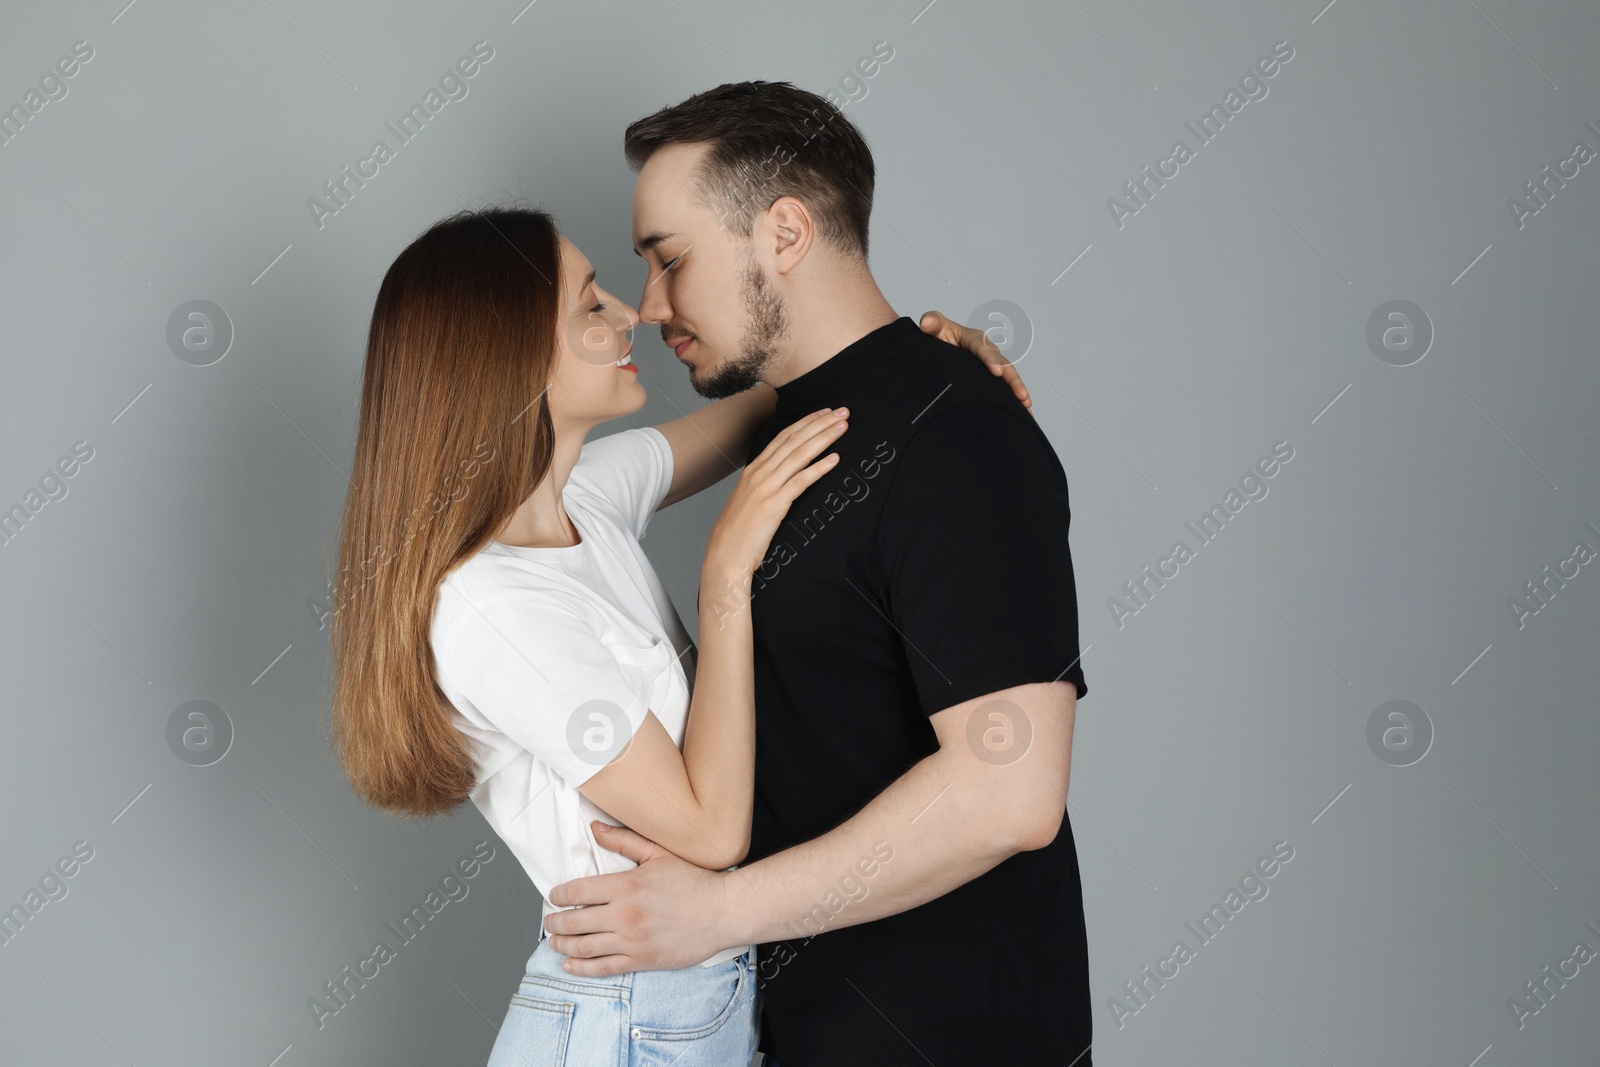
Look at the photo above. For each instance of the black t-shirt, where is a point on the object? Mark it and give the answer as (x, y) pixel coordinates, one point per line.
(930, 566)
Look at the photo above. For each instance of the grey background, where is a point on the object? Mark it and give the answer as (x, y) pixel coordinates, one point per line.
(1229, 314)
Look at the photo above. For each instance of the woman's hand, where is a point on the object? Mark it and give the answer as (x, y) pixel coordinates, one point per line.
(767, 486)
(976, 342)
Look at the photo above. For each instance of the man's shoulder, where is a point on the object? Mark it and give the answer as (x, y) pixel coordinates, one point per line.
(968, 433)
(939, 357)
(980, 422)
(943, 376)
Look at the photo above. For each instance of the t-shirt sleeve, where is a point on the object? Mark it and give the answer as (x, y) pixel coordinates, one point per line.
(631, 469)
(540, 674)
(973, 544)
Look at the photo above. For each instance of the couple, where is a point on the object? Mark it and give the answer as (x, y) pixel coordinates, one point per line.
(876, 868)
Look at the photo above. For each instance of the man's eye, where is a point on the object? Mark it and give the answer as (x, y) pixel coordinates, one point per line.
(670, 264)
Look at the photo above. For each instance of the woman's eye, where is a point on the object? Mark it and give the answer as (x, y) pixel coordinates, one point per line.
(598, 307)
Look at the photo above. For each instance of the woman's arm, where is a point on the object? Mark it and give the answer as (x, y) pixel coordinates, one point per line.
(711, 443)
(697, 803)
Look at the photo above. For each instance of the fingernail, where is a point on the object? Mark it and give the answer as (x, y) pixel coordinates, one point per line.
(840, 411)
(602, 828)
(566, 965)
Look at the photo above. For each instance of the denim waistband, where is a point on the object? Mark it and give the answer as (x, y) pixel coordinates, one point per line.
(748, 952)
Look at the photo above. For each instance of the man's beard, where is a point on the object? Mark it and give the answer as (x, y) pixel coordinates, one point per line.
(766, 324)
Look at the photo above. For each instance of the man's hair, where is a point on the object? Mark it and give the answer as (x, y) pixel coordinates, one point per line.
(768, 140)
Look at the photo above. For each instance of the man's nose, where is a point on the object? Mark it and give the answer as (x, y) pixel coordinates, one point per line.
(653, 306)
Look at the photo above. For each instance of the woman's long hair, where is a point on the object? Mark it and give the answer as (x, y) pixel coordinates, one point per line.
(454, 435)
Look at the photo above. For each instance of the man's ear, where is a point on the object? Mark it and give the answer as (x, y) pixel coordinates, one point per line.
(790, 230)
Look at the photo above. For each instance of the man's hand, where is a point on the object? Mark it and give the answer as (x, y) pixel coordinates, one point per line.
(664, 914)
(976, 342)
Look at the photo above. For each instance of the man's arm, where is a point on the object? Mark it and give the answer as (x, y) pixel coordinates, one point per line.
(996, 786)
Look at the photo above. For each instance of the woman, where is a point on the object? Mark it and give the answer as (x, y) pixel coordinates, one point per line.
(499, 635)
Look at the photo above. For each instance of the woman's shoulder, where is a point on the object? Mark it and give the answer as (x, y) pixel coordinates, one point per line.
(625, 476)
(496, 588)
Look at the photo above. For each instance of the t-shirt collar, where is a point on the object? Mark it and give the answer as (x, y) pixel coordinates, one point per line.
(810, 388)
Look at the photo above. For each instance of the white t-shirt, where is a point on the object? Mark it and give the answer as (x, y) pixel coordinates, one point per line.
(552, 656)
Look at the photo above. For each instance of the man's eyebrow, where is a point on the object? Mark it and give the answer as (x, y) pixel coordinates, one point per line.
(649, 241)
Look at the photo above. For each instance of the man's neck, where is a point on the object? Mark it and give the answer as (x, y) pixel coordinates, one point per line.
(822, 332)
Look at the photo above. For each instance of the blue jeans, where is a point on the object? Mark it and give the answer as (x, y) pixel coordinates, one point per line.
(691, 1017)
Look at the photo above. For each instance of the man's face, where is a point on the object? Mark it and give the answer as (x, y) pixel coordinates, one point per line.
(716, 306)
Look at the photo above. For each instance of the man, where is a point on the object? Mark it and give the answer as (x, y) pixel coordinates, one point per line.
(912, 879)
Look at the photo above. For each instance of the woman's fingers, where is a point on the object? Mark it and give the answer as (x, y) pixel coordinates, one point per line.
(787, 468)
(770, 483)
(978, 343)
(794, 436)
(936, 323)
(800, 481)
(806, 448)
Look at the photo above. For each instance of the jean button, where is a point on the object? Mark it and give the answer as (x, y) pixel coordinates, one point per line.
(635, 1031)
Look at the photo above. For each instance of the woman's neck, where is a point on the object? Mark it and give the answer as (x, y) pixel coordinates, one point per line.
(542, 521)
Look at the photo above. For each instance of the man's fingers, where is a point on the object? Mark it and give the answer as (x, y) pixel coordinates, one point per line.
(599, 966)
(629, 843)
(593, 945)
(571, 921)
(590, 889)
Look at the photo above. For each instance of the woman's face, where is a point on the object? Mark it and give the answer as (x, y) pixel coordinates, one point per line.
(594, 378)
